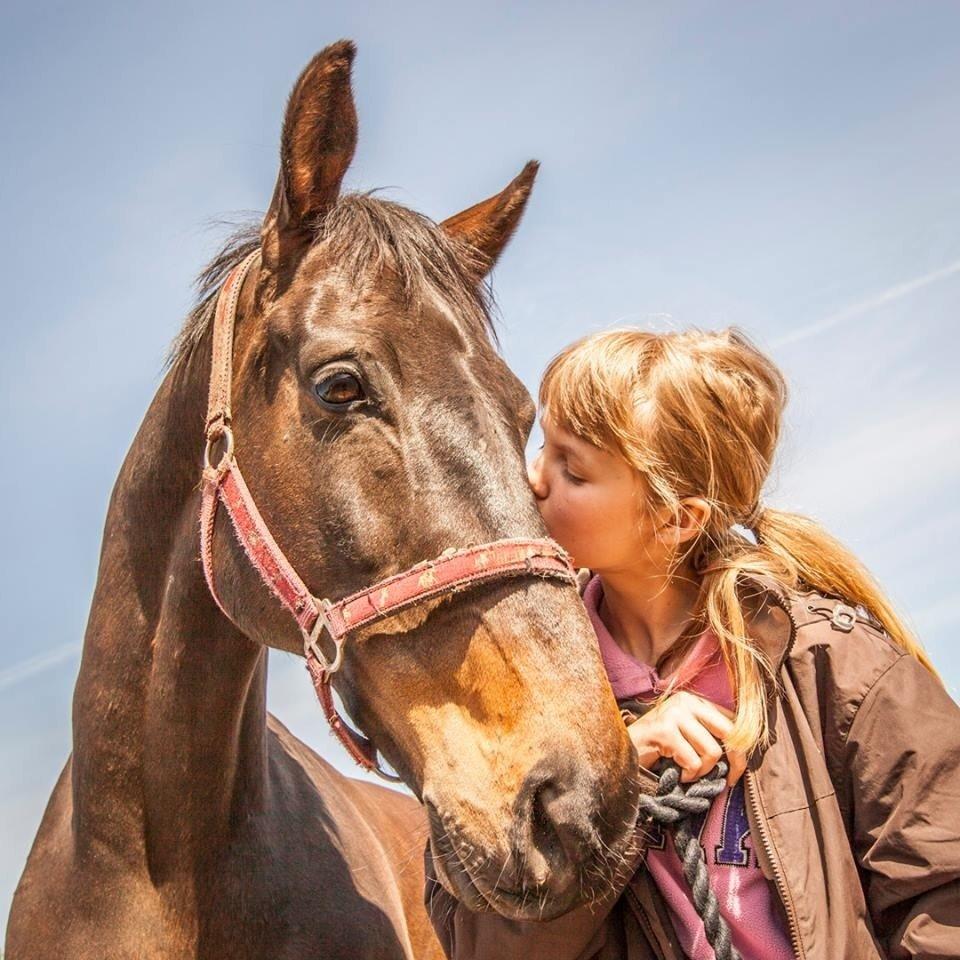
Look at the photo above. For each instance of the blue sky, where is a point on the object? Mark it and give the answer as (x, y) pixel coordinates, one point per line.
(787, 168)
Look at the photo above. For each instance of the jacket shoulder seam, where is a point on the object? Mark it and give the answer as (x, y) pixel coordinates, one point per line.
(867, 692)
(821, 618)
(874, 643)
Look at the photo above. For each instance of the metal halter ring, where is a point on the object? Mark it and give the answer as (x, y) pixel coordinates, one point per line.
(215, 436)
(844, 618)
(310, 645)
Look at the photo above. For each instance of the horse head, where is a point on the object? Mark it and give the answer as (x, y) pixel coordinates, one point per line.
(377, 426)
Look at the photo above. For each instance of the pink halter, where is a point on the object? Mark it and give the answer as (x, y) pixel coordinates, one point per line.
(452, 571)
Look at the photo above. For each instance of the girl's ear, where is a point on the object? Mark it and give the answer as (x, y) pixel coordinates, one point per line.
(688, 521)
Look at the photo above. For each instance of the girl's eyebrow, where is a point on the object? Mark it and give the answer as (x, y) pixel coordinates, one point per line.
(569, 451)
(561, 446)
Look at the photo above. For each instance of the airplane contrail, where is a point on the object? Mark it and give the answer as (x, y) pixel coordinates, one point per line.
(865, 306)
(42, 661)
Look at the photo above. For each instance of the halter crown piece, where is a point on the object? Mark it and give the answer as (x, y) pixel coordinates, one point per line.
(451, 572)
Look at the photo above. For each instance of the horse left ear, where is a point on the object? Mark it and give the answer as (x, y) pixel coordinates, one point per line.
(317, 145)
(488, 226)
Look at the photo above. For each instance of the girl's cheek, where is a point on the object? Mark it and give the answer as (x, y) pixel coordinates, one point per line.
(554, 513)
(567, 523)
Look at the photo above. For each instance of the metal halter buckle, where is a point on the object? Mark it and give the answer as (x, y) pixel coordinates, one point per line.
(312, 647)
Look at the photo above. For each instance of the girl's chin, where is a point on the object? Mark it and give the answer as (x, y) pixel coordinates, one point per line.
(580, 558)
(565, 544)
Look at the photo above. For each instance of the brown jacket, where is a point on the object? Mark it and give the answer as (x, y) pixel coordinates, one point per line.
(854, 811)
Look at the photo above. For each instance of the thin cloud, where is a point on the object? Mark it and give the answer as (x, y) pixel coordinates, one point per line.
(42, 661)
(828, 478)
(865, 306)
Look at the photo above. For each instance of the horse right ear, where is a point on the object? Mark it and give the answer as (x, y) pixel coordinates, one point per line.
(488, 226)
(316, 147)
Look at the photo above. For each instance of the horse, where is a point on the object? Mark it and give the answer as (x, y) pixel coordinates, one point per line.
(378, 426)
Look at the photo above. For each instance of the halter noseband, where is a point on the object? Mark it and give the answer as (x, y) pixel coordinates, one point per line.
(452, 571)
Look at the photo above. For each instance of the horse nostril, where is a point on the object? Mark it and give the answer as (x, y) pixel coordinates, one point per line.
(554, 831)
(544, 831)
(537, 846)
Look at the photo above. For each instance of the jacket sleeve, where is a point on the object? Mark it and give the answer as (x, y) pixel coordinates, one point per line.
(903, 764)
(583, 933)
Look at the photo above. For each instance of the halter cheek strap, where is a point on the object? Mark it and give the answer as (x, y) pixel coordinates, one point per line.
(451, 572)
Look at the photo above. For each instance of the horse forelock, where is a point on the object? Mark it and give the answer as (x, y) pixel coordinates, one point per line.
(364, 234)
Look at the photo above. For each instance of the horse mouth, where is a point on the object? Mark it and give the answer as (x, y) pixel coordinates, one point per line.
(526, 904)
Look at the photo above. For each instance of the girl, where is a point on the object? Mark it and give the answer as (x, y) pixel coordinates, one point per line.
(729, 628)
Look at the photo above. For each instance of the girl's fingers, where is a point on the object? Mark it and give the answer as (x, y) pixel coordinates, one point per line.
(706, 745)
(718, 720)
(683, 755)
(691, 731)
(648, 758)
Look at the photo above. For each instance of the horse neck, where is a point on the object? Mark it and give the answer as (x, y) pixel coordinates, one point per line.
(170, 703)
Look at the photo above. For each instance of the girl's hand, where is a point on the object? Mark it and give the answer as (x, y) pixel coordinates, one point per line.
(689, 730)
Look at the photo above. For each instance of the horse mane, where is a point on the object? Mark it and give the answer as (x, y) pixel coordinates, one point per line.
(365, 234)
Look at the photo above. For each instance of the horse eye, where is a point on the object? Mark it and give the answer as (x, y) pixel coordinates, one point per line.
(339, 390)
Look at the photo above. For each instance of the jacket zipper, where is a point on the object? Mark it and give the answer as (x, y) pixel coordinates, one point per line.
(640, 912)
(651, 919)
(760, 819)
(771, 859)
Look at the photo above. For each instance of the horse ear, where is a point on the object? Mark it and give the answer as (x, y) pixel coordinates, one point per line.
(316, 147)
(487, 226)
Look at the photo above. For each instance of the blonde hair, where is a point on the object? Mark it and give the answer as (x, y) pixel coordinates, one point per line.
(698, 414)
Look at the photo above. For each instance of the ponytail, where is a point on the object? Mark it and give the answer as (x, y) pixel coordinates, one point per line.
(822, 562)
(799, 554)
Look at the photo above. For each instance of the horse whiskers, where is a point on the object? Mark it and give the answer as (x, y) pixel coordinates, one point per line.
(503, 867)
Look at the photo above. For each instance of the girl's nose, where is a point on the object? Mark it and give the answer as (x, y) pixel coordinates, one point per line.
(535, 476)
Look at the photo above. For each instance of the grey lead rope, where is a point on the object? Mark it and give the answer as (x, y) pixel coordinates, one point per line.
(675, 805)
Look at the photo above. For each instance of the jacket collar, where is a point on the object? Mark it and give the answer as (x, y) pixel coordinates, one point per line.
(771, 623)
